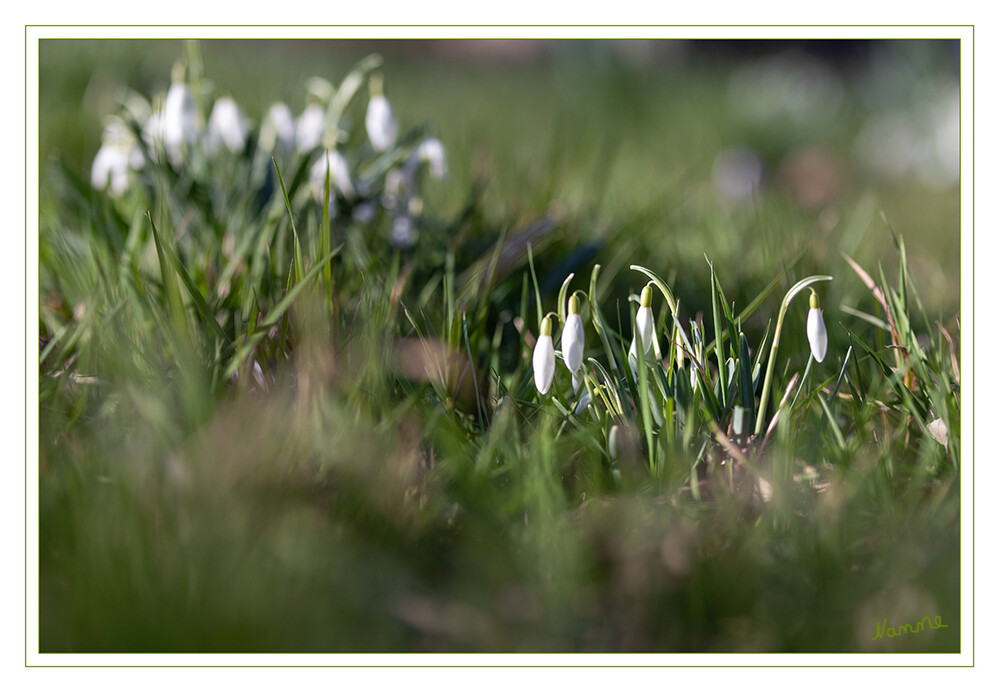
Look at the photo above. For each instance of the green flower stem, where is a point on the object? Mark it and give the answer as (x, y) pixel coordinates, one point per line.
(765, 395)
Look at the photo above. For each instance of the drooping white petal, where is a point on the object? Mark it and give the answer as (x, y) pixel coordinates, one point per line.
(573, 337)
(431, 152)
(152, 135)
(544, 363)
(339, 175)
(110, 169)
(113, 162)
(644, 321)
(309, 128)
(180, 121)
(226, 125)
(380, 123)
(818, 340)
(584, 401)
(278, 129)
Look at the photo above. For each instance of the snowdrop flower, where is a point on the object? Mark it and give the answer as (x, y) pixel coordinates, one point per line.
(309, 128)
(431, 152)
(278, 129)
(584, 402)
(379, 120)
(644, 331)
(226, 125)
(339, 175)
(644, 320)
(815, 327)
(180, 121)
(573, 342)
(152, 135)
(544, 358)
(113, 162)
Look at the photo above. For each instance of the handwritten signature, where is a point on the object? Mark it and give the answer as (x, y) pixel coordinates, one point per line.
(883, 630)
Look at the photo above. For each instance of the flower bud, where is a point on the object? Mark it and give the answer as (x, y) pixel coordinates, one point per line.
(644, 320)
(544, 358)
(815, 328)
(573, 338)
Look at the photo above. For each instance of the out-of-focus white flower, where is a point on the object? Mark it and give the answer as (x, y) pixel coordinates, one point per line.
(278, 129)
(180, 121)
(152, 135)
(309, 128)
(339, 175)
(379, 120)
(815, 328)
(544, 358)
(573, 342)
(644, 320)
(584, 402)
(226, 125)
(938, 431)
(431, 152)
(118, 155)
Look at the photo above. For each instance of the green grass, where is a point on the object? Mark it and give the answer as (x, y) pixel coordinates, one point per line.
(393, 481)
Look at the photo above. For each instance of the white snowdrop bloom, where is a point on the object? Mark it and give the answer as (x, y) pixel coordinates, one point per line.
(815, 328)
(110, 169)
(544, 358)
(152, 135)
(309, 128)
(118, 155)
(339, 175)
(644, 320)
(226, 125)
(431, 152)
(379, 120)
(180, 121)
(278, 129)
(573, 342)
(584, 402)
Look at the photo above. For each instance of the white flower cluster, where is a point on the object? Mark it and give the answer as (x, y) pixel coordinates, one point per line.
(171, 131)
(645, 343)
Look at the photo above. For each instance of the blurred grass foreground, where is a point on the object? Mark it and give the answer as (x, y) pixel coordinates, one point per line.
(290, 316)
